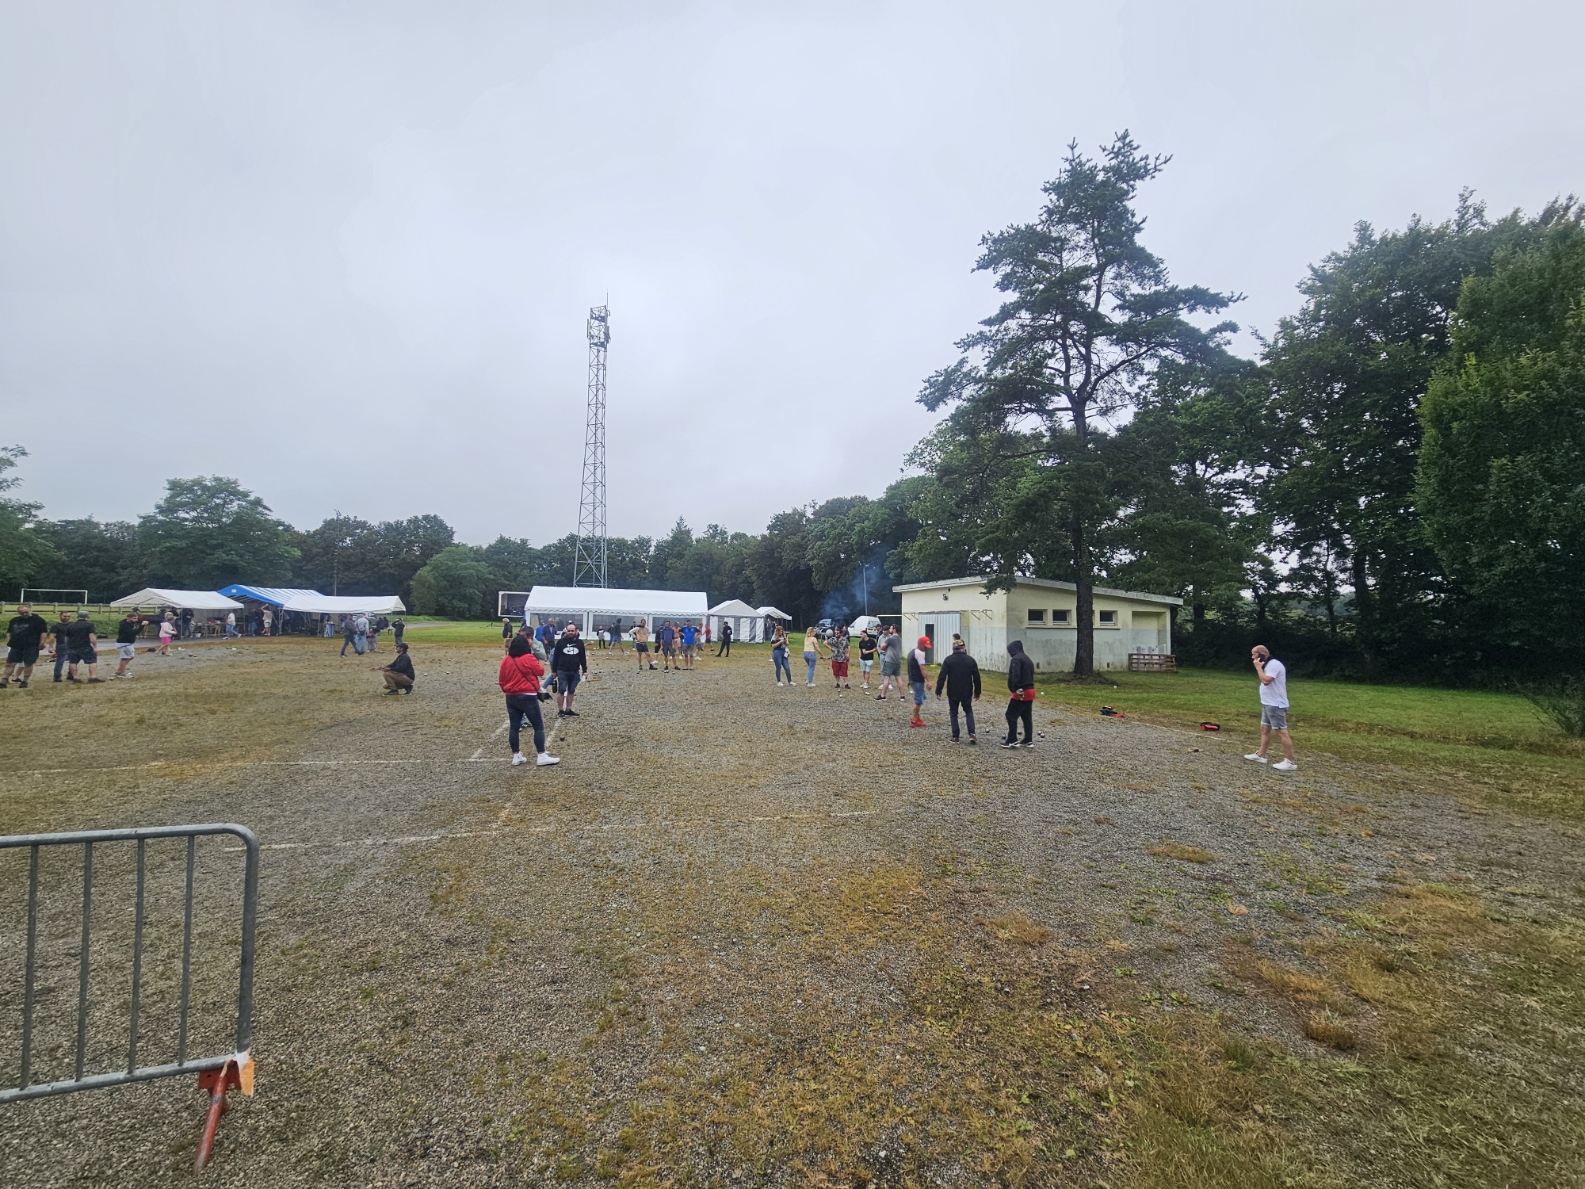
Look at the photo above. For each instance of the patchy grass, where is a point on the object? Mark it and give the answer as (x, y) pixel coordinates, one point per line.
(1181, 851)
(1019, 929)
(1499, 743)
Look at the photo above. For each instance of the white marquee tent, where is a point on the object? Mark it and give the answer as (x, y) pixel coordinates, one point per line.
(314, 603)
(748, 625)
(195, 600)
(773, 613)
(599, 605)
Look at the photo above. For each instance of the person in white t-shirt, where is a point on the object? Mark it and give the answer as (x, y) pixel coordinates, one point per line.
(1273, 676)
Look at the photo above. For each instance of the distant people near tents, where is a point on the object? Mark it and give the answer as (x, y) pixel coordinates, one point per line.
(507, 632)
(690, 643)
(399, 675)
(398, 626)
(891, 652)
(570, 662)
(127, 643)
(267, 619)
(167, 633)
(24, 638)
(519, 678)
(360, 632)
(641, 645)
(812, 652)
(668, 644)
(725, 647)
(375, 626)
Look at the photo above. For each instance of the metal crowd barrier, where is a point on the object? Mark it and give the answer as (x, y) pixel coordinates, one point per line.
(217, 1073)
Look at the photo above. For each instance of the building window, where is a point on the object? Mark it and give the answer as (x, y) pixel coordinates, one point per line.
(1109, 618)
(1059, 616)
(1037, 615)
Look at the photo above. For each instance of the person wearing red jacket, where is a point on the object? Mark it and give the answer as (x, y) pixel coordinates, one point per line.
(519, 681)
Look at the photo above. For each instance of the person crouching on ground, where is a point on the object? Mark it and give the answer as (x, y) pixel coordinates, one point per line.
(1021, 696)
(519, 681)
(918, 658)
(399, 673)
(1273, 676)
(960, 674)
(570, 663)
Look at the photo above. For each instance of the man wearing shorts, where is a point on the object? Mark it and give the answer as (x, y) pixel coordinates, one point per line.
(917, 659)
(690, 643)
(668, 645)
(641, 645)
(840, 644)
(127, 642)
(891, 650)
(866, 655)
(570, 663)
(82, 648)
(24, 637)
(1273, 676)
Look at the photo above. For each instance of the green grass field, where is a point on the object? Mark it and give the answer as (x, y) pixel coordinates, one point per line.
(1499, 742)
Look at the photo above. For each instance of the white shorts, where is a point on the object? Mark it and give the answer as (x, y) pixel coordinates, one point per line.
(126, 651)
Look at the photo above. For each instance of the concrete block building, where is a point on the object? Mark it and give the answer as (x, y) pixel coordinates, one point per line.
(1040, 612)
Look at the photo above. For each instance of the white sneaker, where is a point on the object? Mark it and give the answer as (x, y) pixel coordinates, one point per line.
(778, 683)
(545, 759)
(1256, 756)
(518, 758)
(1285, 766)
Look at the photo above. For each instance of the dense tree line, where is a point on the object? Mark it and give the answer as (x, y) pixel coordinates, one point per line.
(1395, 485)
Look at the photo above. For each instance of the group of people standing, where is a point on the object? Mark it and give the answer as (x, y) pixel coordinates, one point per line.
(958, 677)
(531, 656)
(73, 641)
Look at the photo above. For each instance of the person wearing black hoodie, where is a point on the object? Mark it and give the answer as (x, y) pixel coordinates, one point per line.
(1021, 700)
(570, 664)
(960, 674)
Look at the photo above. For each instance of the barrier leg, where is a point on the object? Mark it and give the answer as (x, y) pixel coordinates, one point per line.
(217, 1082)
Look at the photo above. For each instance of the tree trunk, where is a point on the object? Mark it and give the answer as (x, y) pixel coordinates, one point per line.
(1084, 613)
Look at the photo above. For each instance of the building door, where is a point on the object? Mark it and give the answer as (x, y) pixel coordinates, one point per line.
(941, 628)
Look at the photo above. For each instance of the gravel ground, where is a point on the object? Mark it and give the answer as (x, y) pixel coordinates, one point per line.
(472, 974)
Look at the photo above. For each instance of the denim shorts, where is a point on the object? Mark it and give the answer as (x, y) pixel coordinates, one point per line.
(1275, 717)
(567, 680)
(919, 692)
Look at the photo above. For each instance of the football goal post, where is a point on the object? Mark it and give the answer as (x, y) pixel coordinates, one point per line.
(53, 596)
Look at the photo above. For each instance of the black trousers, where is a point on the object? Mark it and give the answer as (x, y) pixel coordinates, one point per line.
(519, 707)
(967, 705)
(1020, 711)
(725, 649)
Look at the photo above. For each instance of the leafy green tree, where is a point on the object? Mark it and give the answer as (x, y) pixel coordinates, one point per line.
(1089, 314)
(24, 551)
(1501, 480)
(350, 556)
(209, 532)
(457, 582)
(778, 563)
(1345, 378)
(100, 557)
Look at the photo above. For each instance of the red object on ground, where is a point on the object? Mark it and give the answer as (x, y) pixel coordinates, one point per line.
(1210, 726)
(217, 1082)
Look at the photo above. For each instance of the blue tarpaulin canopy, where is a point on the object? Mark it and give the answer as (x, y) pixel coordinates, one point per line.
(276, 596)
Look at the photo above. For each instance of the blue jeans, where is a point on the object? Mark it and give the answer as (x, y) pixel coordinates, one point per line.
(60, 660)
(232, 633)
(779, 655)
(811, 659)
(519, 707)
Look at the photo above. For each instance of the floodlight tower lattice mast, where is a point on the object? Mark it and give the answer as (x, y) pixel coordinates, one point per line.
(588, 565)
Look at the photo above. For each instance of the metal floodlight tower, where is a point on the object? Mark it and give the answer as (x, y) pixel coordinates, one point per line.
(588, 563)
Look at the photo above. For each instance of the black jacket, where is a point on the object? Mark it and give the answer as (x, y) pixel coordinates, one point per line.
(569, 656)
(960, 674)
(403, 664)
(1020, 669)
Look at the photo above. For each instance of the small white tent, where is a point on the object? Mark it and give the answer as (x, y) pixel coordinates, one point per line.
(195, 600)
(313, 603)
(599, 606)
(748, 625)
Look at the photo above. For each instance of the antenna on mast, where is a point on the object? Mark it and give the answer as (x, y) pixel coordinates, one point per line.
(588, 563)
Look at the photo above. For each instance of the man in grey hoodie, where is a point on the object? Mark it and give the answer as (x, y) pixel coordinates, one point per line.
(1021, 696)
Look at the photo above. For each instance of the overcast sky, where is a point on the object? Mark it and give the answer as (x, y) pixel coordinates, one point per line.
(344, 252)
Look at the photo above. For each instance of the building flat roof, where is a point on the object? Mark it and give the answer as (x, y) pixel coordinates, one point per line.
(1050, 584)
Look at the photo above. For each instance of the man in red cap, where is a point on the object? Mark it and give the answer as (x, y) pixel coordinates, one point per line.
(917, 659)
